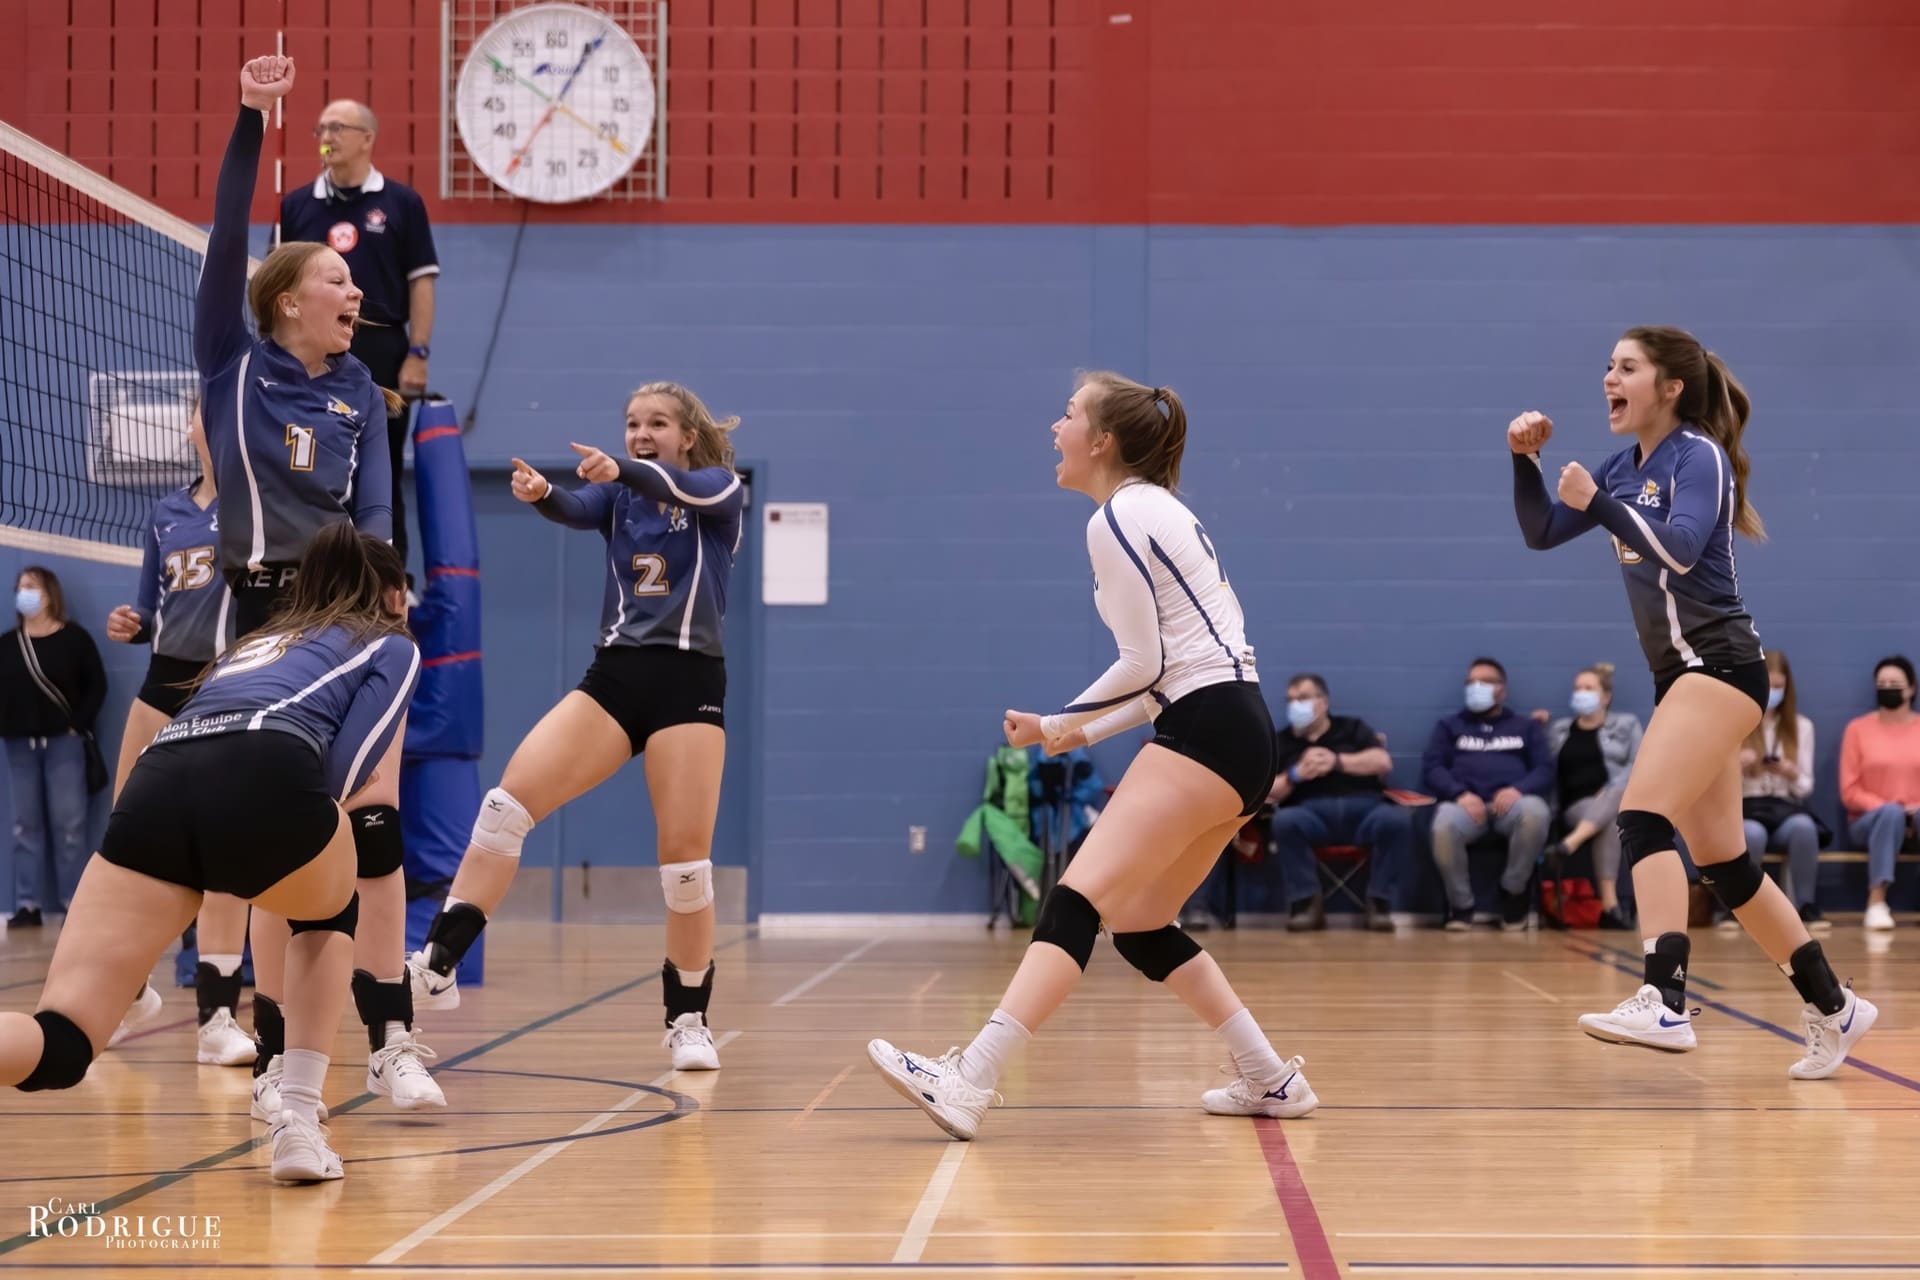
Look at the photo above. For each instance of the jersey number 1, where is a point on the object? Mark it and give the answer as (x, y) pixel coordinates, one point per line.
(300, 441)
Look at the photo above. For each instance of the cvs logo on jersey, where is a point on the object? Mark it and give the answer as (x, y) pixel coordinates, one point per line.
(1649, 496)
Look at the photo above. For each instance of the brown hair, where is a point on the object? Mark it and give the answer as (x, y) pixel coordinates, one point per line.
(1787, 735)
(56, 599)
(1150, 424)
(1603, 672)
(711, 445)
(282, 273)
(1712, 399)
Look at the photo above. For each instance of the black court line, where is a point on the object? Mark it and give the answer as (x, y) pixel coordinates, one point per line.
(1604, 954)
(242, 1148)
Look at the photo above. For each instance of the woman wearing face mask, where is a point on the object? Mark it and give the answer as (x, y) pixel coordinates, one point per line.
(1880, 780)
(1673, 501)
(1776, 777)
(297, 431)
(51, 688)
(1593, 752)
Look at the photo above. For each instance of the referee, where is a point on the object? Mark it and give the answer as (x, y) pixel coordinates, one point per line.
(380, 227)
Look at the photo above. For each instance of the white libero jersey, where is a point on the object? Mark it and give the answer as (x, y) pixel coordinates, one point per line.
(1158, 584)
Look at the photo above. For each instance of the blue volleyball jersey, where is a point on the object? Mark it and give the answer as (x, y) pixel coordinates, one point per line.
(184, 605)
(291, 453)
(345, 697)
(667, 569)
(1671, 518)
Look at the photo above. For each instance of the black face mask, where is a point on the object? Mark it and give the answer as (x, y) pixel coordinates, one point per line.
(1890, 699)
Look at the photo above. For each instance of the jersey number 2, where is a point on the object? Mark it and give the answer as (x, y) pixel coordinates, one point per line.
(300, 441)
(652, 576)
(1206, 544)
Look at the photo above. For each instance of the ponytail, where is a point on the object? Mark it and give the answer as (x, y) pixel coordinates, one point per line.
(1725, 420)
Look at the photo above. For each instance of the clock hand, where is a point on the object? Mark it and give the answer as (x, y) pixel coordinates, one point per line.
(544, 96)
(585, 53)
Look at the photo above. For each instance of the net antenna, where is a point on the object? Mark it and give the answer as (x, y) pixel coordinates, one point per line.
(97, 379)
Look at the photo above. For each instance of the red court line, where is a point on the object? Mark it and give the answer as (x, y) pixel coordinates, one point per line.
(1303, 1221)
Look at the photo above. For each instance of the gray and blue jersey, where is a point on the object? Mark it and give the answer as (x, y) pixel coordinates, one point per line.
(344, 697)
(184, 605)
(1671, 518)
(291, 453)
(667, 570)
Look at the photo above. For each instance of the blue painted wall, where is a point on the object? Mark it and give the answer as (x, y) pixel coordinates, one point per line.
(1348, 388)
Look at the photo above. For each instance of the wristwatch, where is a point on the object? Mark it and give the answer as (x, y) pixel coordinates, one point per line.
(422, 351)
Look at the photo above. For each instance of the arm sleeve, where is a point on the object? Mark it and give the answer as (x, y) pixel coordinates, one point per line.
(418, 253)
(1134, 616)
(92, 693)
(711, 489)
(146, 601)
(1544, 520)
(1699, 490)
(219, 303)
(584, 508)
(374, 716)
(1119, 720)
(1853, 792)
(1539, 779)
(373, 469)
(1436, 766)
(1803, 781)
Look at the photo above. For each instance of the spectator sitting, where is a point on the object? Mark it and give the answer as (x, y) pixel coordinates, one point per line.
(1592, 751)
(1880, 780)
(1330, 789)
(1776, 777)
(1490, 769)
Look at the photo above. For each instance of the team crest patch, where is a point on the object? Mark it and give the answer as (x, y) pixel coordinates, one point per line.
(376, 220)
(1649, 495)
(342, 408)
(342, 236)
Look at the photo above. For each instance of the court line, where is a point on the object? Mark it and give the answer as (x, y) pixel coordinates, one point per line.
(1720, 1006)
(913, 1242)
(166, 1180)
(1544, 995)
(827, 972)
(1068, 1234)
(1607, 1235)
(821, 1097)
(1693, 979)
(175, 1025)
(1663, 1268)
(1303, 1221)
(428, 1230)
(688, 1269)
(920, 992)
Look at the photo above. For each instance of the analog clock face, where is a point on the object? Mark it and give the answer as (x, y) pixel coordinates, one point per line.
(555, 103)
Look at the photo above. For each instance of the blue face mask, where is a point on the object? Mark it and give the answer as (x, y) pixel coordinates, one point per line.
(1480, 696)
(28, 600)
(1300, 713)
(1774, 698)
(1585, 702)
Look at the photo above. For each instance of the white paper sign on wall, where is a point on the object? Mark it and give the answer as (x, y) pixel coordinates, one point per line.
(793, 543)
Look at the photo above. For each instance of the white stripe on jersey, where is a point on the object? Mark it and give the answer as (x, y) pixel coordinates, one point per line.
(619, 614)
(1680, 645)
(683, 497)
(359, 659)
(401, 696)
(258, 550)
(693, 592)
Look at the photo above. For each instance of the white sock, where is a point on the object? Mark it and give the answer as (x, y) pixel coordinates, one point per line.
(395, 1030)
(691, 978)
(302, 1074)
(450, 903)
(1252, 1055)
(986, 1057)
(226, 966)
(1647, 946)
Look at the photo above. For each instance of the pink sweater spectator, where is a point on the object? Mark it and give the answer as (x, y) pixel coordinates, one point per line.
(1879, 764)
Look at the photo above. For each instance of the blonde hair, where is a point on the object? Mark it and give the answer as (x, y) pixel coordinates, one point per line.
(1603, 672)
(281, 273)
(712, 442)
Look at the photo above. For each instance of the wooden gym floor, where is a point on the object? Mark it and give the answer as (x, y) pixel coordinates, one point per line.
(1466, 1127)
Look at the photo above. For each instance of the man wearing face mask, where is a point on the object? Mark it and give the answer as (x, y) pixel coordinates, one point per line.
(1880, 780)
(380, 227)
(1490, 767)
(1330, 789)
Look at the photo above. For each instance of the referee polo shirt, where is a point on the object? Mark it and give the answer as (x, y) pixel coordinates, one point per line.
(380, 229)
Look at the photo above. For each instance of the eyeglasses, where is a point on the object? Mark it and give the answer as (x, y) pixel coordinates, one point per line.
(329, 127)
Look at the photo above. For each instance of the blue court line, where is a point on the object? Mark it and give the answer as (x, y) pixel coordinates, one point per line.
(1693, 979)
(1891, 1077)
(242, 1148)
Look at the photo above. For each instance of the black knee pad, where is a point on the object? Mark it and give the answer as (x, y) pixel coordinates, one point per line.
(1069, 922)
(1643, 834)
(64, 1058)
(1157, 952)
(345, 922)
(1734, 882)
(376, 840)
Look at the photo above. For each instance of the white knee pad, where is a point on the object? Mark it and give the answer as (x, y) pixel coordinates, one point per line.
(502, 825)
(687, 885)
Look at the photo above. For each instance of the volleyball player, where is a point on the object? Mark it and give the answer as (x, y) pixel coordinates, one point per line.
(184, 614)
(297, 432)
(670, 513)
(241, 794)
(1672, 503)
(1184, 664)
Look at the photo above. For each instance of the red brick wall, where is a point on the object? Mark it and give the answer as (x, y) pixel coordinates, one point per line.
(991, 111)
